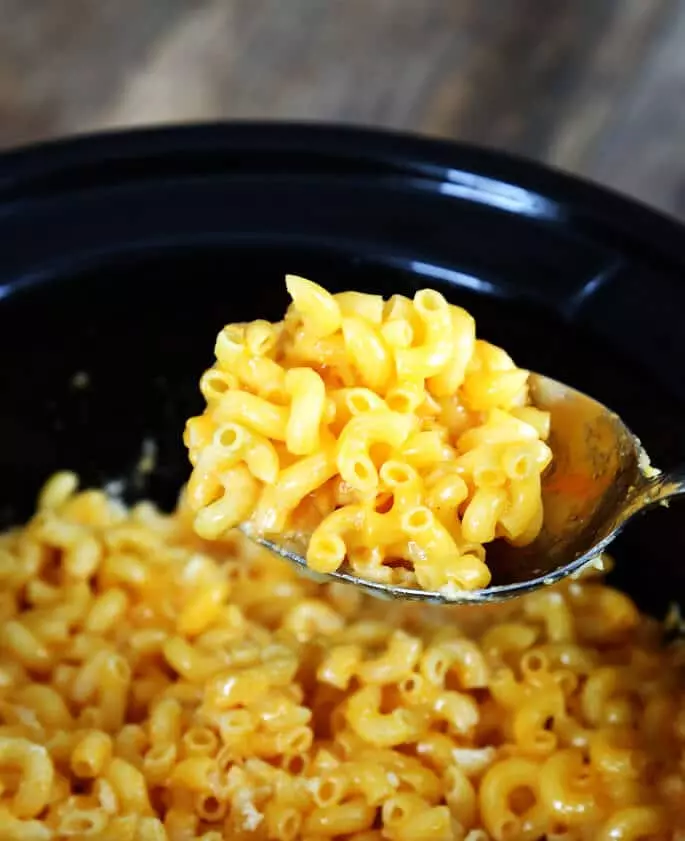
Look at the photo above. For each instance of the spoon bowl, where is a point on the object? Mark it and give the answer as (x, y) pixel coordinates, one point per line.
(599, 478)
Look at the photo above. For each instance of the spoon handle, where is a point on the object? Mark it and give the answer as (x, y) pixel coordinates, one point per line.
(656, 490)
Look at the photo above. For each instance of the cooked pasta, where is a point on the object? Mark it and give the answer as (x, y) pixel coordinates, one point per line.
(378, 434)
(177, 689)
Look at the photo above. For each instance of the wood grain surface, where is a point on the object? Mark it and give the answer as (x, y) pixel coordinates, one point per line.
(593, 86)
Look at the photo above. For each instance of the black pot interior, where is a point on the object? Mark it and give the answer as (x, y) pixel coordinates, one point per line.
(101, 350)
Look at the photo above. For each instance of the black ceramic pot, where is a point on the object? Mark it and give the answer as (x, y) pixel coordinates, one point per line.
(122, 255)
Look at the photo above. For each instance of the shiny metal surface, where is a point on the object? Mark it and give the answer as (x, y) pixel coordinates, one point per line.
(599, 479)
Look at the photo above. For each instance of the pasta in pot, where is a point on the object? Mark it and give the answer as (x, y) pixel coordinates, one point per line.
(380, 434)
(157, 686)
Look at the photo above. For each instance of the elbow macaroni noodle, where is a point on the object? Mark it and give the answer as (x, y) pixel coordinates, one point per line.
(381, 434)
(168, 688)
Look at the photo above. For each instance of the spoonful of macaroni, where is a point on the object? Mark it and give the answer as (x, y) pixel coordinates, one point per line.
(380, 443)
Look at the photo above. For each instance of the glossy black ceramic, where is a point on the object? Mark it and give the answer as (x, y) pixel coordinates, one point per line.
(122, 255)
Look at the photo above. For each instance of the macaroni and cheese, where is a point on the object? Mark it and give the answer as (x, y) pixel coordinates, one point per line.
(156, 686)
(382, 434)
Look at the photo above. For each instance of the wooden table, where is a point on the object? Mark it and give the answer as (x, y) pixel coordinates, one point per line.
(594, 86)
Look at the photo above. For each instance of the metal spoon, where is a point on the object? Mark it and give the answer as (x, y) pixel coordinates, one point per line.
(599, 479)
